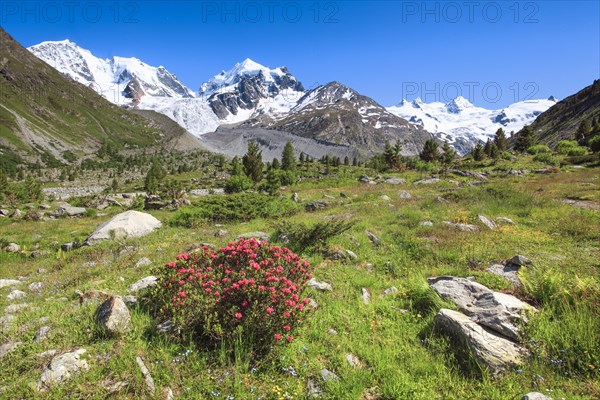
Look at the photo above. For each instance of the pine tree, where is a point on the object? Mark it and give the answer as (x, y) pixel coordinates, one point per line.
(478, 153)
(236, 167)
(494, 152)
(276, 164)
(288, 160)
(500, 140)
(346, 161)
(430, 151)
(582, 131)
(252, 160)
(448, 156)
(525, 139)
(354, 162)
(487, 149)
(115, 185)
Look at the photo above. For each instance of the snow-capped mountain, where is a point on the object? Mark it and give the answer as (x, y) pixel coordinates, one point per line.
(120, 80)
(250, 89)
(463, 124)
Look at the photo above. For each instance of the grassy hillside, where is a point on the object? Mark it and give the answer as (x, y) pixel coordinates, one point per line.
(401, 357)
(561, 121)
(43, 114)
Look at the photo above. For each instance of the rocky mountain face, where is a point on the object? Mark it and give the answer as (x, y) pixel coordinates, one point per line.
(338, 114)
(463, 124)
(45, 116)
(120, 80)
(561, 121)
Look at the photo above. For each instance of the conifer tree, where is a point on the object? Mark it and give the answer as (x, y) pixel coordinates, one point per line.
(430, 151)
(500, 140)
(253, 164)
(288, 160)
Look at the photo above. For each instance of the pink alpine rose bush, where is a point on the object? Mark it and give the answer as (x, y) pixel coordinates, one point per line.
(247, 288)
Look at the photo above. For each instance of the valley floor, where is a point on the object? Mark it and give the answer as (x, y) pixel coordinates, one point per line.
(401, 357)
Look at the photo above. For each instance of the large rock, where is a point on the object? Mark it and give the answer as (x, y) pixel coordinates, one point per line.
(113, 315)
(8, 282)
(254, 235)
(69, 210)
(144, 283)
(128, 224)
(500, 312)
(62, 367)
(487, 347)
(508, 272)
(487, 222)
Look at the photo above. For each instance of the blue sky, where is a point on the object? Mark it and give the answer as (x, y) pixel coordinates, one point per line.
(491, 52)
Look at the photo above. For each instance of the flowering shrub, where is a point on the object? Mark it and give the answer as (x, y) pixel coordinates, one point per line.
(247, 288)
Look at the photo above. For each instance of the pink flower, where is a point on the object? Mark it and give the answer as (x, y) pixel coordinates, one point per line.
(245, 304)
(182, 282)
(270, 310)
(290, 338)
(277, 336)
(238, 315)
(287, 327)
(181, 294)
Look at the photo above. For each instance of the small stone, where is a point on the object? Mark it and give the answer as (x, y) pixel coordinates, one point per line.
(143, 262)
(113, 315)
(41, 271)
(66, 246)
(351, 255)
(327, 375)
(113, 387)
(313, 283)
(366, 296)
(41, 334)
(48, 353)
(6, 322)
(374, 239)
(369, 267)
(144, 283)
(390, 290)
(505, 220)
(16, 294)
(312, 304)
(166, 327)
(332, 332)
(403, 194)
(295, 197)
(131, 300)
(428, 224)
(8, 347)
(353, 360)
(12, 248)
(508, 272)
(385, 197)
(8, 282)
(344, 196)
(535, 396)
(461, 227)
(220, 233)
(394, 181)
(520, 260)
(15, 308)
(167, 394)
(427, 181)
(39, 253)
(313, 390)
(491, 225)
(17, 213)
(62, 367)
(146, 375)
(36, 287)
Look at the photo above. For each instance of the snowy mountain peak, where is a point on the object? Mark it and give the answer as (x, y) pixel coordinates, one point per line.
(458, 104)
(111, 77)
(417, 103)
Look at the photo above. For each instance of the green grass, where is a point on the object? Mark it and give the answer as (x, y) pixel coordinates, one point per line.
(401, 356)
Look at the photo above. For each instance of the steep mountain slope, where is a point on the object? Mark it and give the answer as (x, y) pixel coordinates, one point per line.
(338, 114)
(120, 80)
(44, 114)
(560, 122)
(463, 124)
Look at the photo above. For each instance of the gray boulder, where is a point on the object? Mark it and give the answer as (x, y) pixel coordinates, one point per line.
(520, 260)
(68, 210)
(144, 283)
(504, 220)
(508, 272)
(113, 315)
(461, 227)
(61, 368)
(128, 224)
(366, 295)
(491, 225)
(374, 239)
(428, 181)
(327, 375)
(487, 347)
(12, 248)
(403, 194)
(8, 282)
(313, 283)
(394, 181)
(500, 312)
